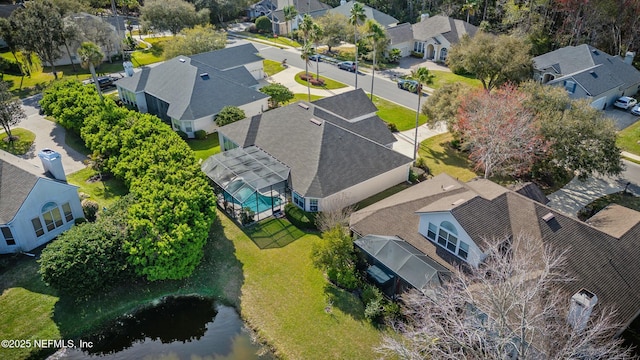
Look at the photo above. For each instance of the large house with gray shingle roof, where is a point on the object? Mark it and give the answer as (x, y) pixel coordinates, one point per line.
(35, 207)
(447, 221)
(588, 73)
(433, 36)
(333, 148)
(188, 92)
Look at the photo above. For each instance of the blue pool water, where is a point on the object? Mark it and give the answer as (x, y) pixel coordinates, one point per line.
(262, 203)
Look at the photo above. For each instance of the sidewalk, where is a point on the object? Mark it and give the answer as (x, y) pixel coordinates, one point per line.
(577, 193)
(631, 156)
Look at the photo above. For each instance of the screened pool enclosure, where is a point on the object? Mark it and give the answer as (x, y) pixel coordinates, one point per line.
(249, 183)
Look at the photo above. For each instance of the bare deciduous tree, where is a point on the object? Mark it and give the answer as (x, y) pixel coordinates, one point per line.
(512, 306)
(335, 211)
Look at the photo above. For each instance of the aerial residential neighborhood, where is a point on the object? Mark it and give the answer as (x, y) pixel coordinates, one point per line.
(319, 179)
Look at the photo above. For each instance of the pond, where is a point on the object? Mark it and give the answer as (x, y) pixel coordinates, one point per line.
(175, 328)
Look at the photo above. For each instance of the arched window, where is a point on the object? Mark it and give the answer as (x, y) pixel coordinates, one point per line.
(446, 235)
(443, 54)
(51, 215)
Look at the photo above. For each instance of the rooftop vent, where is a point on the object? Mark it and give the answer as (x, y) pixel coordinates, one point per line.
(182, 60)
(593, 73)
(457, 202)
(316, 121)
(448, 187)
(548, 217)
(204, 76)
(304, 106)
(595, 52)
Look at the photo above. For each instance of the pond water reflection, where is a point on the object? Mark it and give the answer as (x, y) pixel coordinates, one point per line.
(176, 328)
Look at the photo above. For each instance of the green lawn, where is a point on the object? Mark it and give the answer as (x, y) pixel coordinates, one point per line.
(281, 40)
(206, 147)
(76, 143)
(328, 83)
(20, 146)
(303, 97)
(391, 112)
(153, 55)
(629, 138)
(445, 77)
(104, 192)
(272, 67)
(441, 158)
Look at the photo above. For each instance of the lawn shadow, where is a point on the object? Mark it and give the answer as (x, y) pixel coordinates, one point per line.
(273, 233)
(343, 300)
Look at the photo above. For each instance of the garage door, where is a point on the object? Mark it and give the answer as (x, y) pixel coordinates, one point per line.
(600, 104)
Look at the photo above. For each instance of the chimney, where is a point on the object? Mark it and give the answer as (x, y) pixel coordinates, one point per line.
(628, 58)
(52, 162)
(128, 68)
(424, 17)
(580, 309)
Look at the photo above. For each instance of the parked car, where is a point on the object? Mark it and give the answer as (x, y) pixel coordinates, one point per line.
(636, 110)
(347, 65)
(409, 85)
(103, 81)
(315, 57)
(625, 102)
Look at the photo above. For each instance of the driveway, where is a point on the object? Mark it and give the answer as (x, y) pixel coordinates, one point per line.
(621, 117)
(48, 135)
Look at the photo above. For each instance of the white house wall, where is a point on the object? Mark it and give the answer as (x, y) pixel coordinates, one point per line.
(404, 47)
(44, 191)
(367, 188)
(255, 108)
(475, 255)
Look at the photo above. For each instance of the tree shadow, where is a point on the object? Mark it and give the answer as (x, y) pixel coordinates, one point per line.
(347, 302)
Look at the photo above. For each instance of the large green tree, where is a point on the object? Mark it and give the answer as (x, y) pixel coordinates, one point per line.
(444, 103)
(334, 27)
(279, 94)
(39, 30)
(194, 41)
(11, 111)
(172, 15)
(335, 256)
(494, 60)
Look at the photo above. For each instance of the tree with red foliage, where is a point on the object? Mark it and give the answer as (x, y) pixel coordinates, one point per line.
(500, 133)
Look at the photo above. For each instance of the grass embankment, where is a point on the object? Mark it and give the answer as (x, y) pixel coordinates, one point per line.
(629, 139)
(328, 83)
(272, 67)
(23, 139)
(205, 147)
(403, 117)
(280, 40)
(303, 97)
(445, 77)
(153, 55)
(442, 158)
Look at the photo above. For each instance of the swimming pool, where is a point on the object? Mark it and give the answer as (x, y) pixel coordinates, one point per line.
(257, 203)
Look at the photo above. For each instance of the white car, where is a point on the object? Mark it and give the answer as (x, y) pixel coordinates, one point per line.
(636, 110)
(625, 102)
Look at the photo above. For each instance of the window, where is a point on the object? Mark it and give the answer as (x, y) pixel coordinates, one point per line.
(570, 86)
(418, 47)
(298, 200)
(228, 144)
(8, 236)
(68, 215)
(431, 232)
(37, 226)
(188, 126)
(313, 204)
(463, 250)
(176, 124)
(51, 215)
(443, 54)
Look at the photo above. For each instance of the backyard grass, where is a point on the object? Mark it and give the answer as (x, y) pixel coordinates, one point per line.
(206, 147)
(442, 158)
(445, 77)
(105, 192)
(20, 146)
(391, 112)
(328, 83)
(281, 40)
(629, 139)
(272, 67)
(153, 55)
(304, 97)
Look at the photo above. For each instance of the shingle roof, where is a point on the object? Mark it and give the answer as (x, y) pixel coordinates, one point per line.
(315, 153)
(200, 96)
(451, 29)
(601, 263)
(371, 13)
(595, 70)
(349, 105)
(400, 33)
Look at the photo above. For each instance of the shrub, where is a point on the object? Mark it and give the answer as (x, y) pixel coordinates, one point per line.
(253, 29)
(334, 254)
(247, 216)
(263, 24)
(182, 134)
(10, 67)
(422, 164)
(79, 221)
(306, 77)
(90, 209)
(229, 114)
(200, 134)
(417, 54)
(316, 82)
(392, 127)
(300, 218)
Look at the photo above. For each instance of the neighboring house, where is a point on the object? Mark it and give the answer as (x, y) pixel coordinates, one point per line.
(188, 92)
(588, 73)
(333, 150)
(401, 38)
(35, 206)
(434, 36)
(371, 13)
(5, 12)
(447, 221)
(273, 10)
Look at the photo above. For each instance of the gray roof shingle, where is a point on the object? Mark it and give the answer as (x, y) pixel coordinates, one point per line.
(400, 33)
(199, 96)
(316, 153)
(451, 29)
(371, 13)
(602, 263)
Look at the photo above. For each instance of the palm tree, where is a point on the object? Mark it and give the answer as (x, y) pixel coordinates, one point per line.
(357, 16)
(377, 36)
(306, 26)
(470, 7)
(307, 51)
(316, 35)
(422, 76)
(290, 13)
(91, 56)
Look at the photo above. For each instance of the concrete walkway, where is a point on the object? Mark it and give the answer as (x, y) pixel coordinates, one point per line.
(577, 193)
(48, 135)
